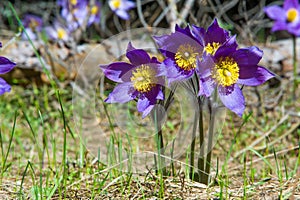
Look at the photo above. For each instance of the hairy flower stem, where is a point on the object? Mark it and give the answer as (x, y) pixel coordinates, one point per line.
(295, 84)
(160, 143)
(161, 153)
(201, 156)
(193, 144)
(210, 139)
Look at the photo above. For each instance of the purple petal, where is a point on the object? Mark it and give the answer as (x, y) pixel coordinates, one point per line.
(207, 86)
(288, 4)
(123, 14)
(279, 26)
(227, 48)
(118, 71)
(147, 101)
(6, 65)
(137, 56)
(169, 69)
(248, 56)
(185, 31)
(294, 28)
(4, 87)
(155, 94)
(233, 100)
(275, 13)
(216, 34)
(169, 44)
(205, 65)
(247, 60)
(28, 34)
(199, 33)
(144, 106)
(261, 76)
(122, 93)
(126, 5)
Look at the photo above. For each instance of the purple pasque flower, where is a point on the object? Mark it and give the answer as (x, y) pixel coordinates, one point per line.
(5, 66)
(33, 24)
(228, 68)
(137, 80)
(181, 50)
(286, 17)
(213, 38)
(57, 32)
(121, 7)
(94, 13)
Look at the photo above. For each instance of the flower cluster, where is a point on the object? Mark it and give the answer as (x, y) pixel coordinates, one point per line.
(76, 14)
(211, 55)
(5, 66)
(286, 18)
(79, 13)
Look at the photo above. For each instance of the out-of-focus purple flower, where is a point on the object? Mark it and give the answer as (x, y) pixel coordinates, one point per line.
(286, 17)
(137, 80)
(94, 12)
(181, 50)
(76, 12)
(120, 7)
(5, 66)
(33, 24)
(229, 67)
(213, 38)
(57, 32)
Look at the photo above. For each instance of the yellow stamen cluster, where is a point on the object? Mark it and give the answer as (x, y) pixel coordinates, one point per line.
(116, 3)
(61, 33)
(73, 2)
(226, 72)
(292, 15)
(186, 56)
(212, 48)
(33, 24)
(94, 10)
(143, 78)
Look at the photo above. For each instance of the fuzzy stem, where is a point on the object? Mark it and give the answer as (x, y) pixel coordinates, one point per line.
(160, 143)
(210, 139)
(201, 137)
(193, 146)
(294, 67)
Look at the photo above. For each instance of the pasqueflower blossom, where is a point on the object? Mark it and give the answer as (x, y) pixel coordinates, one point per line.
(213, 38)
(286, 17)
(181, 50)
(121, 7)
(5, 66)
(57, 32)
(228, 68)
(33, 24)
(137, 80)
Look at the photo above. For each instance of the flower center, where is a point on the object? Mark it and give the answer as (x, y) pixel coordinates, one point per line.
(143, 78)
(94, 10)
(291, 15)
(61, 33)
(73, 2)
(116, 3)
(226, 72)
(185, 57)
(212, 48)
(33, 24)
